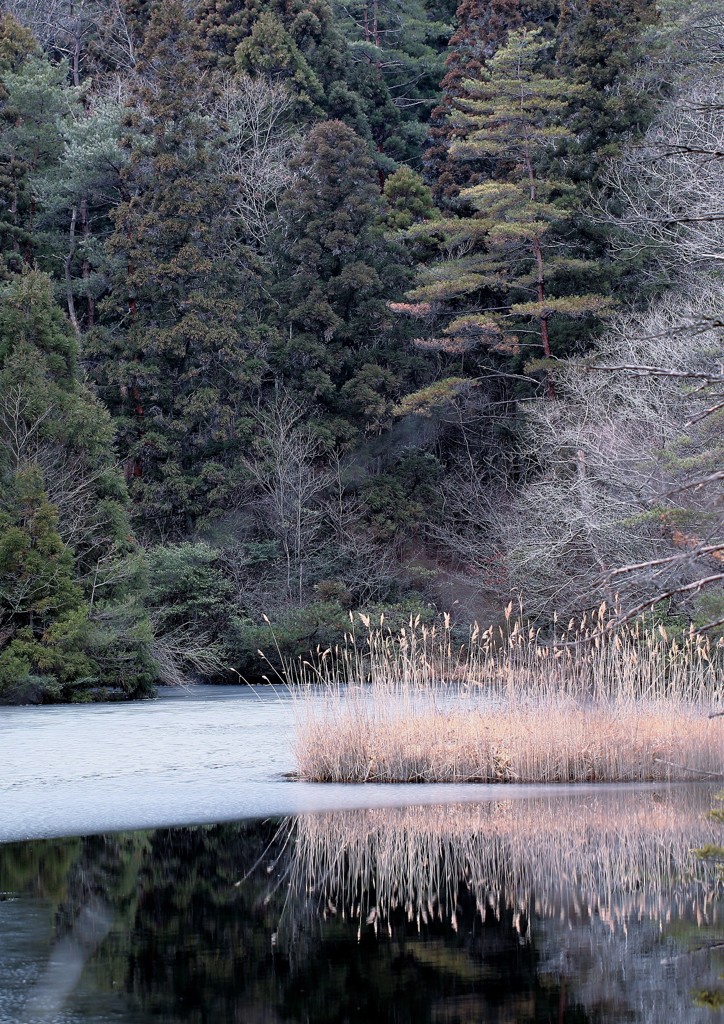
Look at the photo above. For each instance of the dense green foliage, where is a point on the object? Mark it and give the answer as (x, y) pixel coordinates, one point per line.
(71, 572)
(293, 295)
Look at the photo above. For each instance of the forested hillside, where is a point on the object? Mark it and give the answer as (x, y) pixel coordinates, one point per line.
(311, 307)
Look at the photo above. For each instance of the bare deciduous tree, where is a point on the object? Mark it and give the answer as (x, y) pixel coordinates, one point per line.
(69, 27)
(259, 144)
(612, 458)
(290, 481)
(672, 185)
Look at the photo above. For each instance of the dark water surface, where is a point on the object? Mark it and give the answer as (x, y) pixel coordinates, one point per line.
(546, 909)
(390, 904)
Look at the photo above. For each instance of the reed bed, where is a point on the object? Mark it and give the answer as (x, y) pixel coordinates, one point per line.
(612, 859)
(594, 703)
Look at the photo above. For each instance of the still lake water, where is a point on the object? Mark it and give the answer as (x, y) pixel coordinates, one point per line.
(157, 866)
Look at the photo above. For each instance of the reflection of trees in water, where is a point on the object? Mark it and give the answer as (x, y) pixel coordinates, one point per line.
(202, 947)
(89, 885)
(187, 942)
(552, 899)
(194, 914)
(200, 944)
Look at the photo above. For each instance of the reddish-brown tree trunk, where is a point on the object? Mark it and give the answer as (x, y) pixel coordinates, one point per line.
(540, 283)
(540, 290)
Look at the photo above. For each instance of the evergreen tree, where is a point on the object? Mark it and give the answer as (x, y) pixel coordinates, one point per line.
(300, 42)
(34, 101)
(76, 197)
(338, 345)
(515, 113)
(60, 159)
(271, 51)
(16, 43)
(409, 200)
(482, 28)
(179, 354)
(603, 50)
(399, 46)
(70, 574)
(520, 278)
(599, 45)
(308, 25)
(44, 619)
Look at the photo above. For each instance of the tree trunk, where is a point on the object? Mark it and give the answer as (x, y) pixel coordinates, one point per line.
(90, 308)
(540, 283)
(68, 279)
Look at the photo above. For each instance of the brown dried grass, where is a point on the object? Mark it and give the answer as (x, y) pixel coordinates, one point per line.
(556, 740)
(596, 704)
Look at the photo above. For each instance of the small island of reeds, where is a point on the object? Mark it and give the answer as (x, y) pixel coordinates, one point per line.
(595, 701)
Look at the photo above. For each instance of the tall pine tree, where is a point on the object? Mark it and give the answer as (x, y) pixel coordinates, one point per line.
(482, 28)
(520, 278)
(514, 114)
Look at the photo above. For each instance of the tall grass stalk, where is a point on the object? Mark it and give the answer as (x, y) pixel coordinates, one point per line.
(595, 702)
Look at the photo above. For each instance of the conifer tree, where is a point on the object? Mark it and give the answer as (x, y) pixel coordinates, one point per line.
(43, 617)
(517, 267)
(338, 348)
(70, 573)
(482, 28)
(224, 25)
(16, 43)
(409, 200)
(178, 355)
(514, 114)
(599, 45)
(299, 42)
(399, 45)
(270, 51)
(59, 171)
(76, 196)
(34, 101)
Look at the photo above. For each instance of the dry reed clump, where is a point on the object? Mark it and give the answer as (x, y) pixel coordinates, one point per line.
(595, 703)
(610, 859)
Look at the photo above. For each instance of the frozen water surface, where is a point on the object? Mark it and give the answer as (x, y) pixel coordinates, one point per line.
(204, 754)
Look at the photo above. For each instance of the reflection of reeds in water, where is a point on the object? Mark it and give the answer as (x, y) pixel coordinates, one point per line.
(611, 858)
(595, 703)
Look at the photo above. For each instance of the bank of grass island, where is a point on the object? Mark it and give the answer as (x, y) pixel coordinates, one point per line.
(594, 701)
